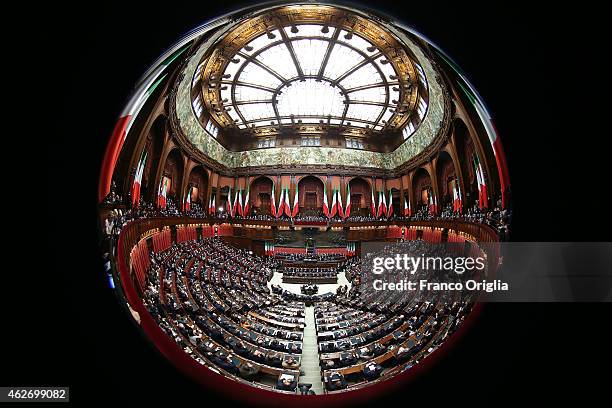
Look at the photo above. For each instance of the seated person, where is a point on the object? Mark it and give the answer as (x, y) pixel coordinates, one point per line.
(274, 359)
(248, 371)
(377, 349)
(226, 362)
(365, 354)
(290, 363)
(327, 364)
(286, 382)
(347, 359)
(240, 347)
(258, 355)
(403, 353)
(371, 371)
(294, 348)
(335, 381)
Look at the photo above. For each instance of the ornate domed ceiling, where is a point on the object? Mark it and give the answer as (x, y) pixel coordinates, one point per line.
(316, 72)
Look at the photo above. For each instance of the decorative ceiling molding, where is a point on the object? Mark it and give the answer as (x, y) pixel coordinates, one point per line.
(193, 137)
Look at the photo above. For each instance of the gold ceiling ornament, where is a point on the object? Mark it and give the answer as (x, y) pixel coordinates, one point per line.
(388, 47)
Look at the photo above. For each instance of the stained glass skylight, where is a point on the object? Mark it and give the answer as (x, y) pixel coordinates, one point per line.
(310, 74)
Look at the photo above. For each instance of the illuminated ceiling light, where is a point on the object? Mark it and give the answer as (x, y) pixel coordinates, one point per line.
(311, 79)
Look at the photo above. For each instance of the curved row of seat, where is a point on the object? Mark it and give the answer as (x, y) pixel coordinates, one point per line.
(210, 304)
(214, 301)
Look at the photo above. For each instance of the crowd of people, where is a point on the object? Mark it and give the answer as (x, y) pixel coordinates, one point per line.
(498, 217)
(213, 299)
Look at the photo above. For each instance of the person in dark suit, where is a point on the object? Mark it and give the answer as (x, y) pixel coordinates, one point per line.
(274, 359)
(335, 381)
(290, 363)
(248, 371)
(371, 371)
(286, 382)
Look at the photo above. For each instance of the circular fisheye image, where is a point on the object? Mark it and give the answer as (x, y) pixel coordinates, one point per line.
(274, 191)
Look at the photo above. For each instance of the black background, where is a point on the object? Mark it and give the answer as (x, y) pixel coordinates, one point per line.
(537, 66)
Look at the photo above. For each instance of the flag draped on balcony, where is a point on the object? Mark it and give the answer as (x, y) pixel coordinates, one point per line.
(334, 205)
(287, 205)
(235, 204)
(325, 205)
(281, 204)
(273, 211)
(373, 203)
(138, 179)
(482, 185)
(347, 212)
(245, 210)
(188, 199)
(296, 207)
(432, 202)
(229, 208)
(390, 208)
(162, 193)
(407, 208)
(211, 206)
(340, 205)
(457, 200)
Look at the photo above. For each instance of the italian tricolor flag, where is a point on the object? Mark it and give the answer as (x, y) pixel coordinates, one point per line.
(482, 186)
(373, 203)
(138, 179)
(347, 212)
(433, 202)
(235, 204)
(230, 209)
(325, 205)
(239, 203)
(287, 205)
(245, 210)
(188, 199)
(296, 207)
(390, 208)
(211, 206)
(162, 193)
(382, 205)
(457, 201)
(334, 205)
(281, 203)
(273, 202)
(407, 209)
(340, 206)
(139, 97)
(269, 248)
(487, 121)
